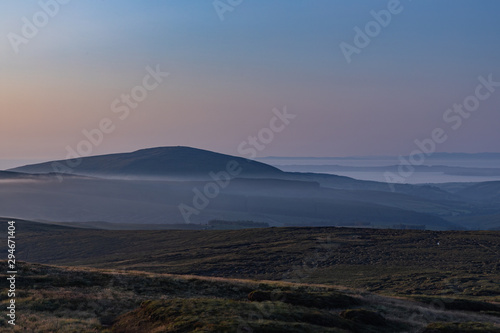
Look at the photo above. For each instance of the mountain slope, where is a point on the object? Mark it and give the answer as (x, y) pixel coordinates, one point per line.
(277, 202)
(10, 175)
(156, 162)
(192, 163)
(259, 193)
(486, 192)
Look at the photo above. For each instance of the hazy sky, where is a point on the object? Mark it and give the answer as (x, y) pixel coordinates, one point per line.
(226, 76)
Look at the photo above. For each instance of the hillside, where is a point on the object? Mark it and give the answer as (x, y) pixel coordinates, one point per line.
(404, 262)
(156, 162)
(277, 202)
(150, 186)
(62, 299)
(485, 193)
(193, 163)
(10, 175)
(479, 222)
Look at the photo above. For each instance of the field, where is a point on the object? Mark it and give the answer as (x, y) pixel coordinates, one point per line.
(402, 262)
(256, 280)
(58, 299)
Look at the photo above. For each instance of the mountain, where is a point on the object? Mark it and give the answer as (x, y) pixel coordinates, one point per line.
(172, 185)
(195, 164)
(156, 162)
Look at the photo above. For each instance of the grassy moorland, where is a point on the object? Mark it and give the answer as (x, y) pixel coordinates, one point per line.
(255, 280)
(399, 262)
(74, 299)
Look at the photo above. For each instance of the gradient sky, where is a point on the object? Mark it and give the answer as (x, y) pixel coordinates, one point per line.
(227, 76)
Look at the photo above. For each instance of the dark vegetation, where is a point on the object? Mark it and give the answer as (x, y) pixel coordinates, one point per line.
(403, 262)
(63, 299)
(468, 327)
(222, 224)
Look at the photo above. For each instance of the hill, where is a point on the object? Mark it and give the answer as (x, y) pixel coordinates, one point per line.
(276, 202)
(479, 222)
(149, 186)
(404, 262)
(155, 162)
(62, 299)
(485, 193)
(10, 175)
(193, 163)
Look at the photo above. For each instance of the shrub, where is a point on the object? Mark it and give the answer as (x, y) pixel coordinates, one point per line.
(460, 304)
(315, 300)
(364, 317)
(469, 327)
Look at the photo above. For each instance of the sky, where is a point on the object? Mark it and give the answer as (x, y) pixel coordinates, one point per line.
(230, 63)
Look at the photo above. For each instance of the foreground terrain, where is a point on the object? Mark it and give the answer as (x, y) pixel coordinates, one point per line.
(255, 280)
(63, 299)
(403, 262)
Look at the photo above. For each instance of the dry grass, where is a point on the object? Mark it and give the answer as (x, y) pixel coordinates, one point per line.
(71, 299)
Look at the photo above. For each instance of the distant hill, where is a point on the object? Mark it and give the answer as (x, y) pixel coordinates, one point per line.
(447, 170)
(486, 192)
(149, 187)
(277, 202)
(6, 175)
(481, 222)
(460, 156)
(156, 162)
(35, 227)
